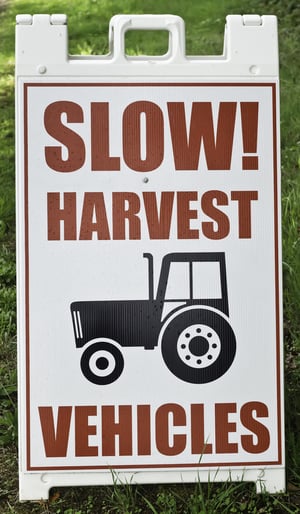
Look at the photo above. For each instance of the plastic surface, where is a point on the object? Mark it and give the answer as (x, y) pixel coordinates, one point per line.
(45, 72)
(250, 49)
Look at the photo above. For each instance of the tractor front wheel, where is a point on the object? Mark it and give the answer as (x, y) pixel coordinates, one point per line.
(102, 363)
(198, 346)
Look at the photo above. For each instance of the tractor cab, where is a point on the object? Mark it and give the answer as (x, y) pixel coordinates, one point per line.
(190, 279)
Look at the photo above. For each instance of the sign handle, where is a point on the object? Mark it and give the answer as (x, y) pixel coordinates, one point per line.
(120, 24)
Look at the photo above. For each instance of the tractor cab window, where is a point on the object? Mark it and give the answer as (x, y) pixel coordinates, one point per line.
(206, 280)
(178, 285)
(197, 280)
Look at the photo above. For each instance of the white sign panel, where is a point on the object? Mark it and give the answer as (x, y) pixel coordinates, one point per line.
(149, 279)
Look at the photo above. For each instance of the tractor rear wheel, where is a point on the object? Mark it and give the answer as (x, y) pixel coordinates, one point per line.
(102, 362)
(198, 346)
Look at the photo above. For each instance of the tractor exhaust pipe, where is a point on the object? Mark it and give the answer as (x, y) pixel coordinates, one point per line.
(149, 256)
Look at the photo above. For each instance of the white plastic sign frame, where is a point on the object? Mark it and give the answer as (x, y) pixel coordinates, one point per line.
(130, 169)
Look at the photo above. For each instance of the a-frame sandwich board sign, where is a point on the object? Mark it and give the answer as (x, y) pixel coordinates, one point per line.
(149, 258)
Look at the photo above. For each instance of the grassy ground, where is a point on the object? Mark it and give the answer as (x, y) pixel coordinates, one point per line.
(88, 25)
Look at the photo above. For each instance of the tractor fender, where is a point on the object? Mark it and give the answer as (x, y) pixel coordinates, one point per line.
(181, 309)
(100, 339)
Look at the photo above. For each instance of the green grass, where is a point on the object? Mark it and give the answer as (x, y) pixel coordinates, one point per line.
(88, 27)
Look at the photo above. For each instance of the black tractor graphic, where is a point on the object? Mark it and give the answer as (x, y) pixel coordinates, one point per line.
(188, 318)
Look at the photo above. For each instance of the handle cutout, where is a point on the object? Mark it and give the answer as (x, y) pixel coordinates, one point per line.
(146, 42)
